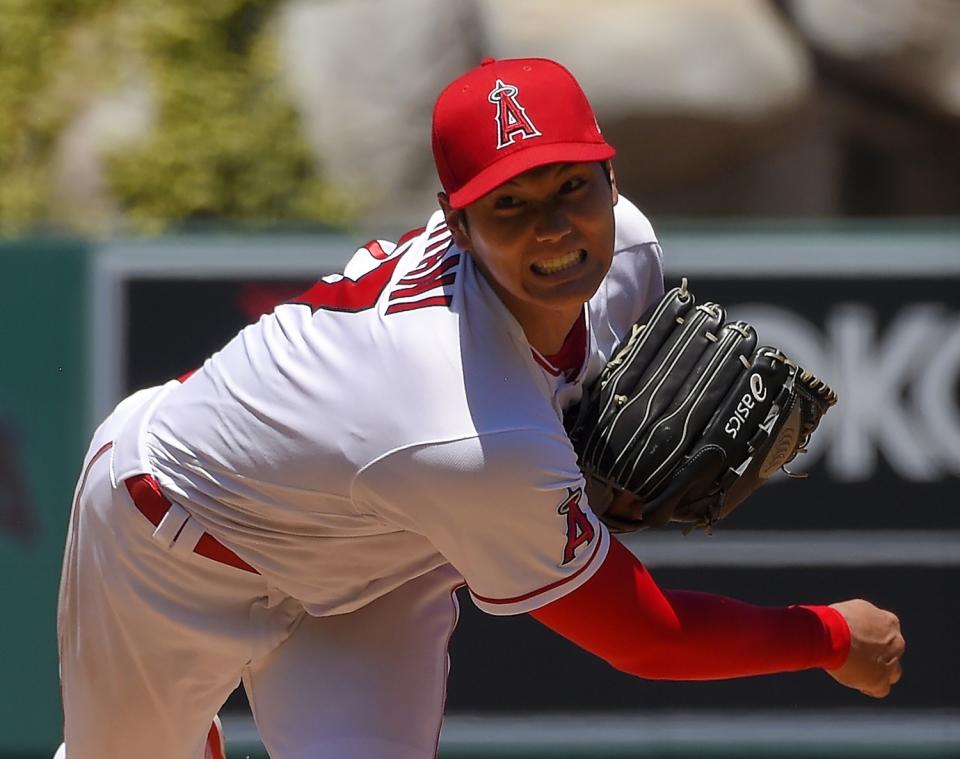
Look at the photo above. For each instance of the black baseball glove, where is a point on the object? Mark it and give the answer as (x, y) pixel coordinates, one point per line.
(690, 417)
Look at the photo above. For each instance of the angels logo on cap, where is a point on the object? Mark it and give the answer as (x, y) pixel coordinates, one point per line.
(512, 120)
(542, 116)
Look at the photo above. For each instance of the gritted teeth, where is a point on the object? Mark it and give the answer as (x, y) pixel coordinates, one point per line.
(559, 263)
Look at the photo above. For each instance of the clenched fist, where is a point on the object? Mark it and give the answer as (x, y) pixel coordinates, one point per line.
(876, 646)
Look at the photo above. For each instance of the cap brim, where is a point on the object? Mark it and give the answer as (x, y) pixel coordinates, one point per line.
(516, 163)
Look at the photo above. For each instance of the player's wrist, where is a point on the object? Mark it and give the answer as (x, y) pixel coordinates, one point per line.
(835, 645)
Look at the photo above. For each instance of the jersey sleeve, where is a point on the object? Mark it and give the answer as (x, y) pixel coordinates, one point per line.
(624, 617)
(507, 510)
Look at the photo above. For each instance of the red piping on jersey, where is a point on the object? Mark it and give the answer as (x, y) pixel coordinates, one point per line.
(410, 235)
(430, 259)
(416, 276)
(213, 742)
(350, 296)
(569, 359)
(550, 369)
(545, 588)
(439, 300)
(407, 241)
(75, 516)
(437, 239)
(622, 616)
(436, 244)
(86, 472)
(375, 249)
(427, 264)
(406, 290)
(446, 656)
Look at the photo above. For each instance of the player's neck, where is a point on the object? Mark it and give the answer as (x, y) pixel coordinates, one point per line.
(549, 330)
(545, 325)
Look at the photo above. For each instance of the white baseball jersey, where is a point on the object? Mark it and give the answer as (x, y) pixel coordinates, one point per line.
(393, 420)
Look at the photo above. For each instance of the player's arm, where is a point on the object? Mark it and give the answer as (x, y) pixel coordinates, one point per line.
(622, 616)
(507, 513)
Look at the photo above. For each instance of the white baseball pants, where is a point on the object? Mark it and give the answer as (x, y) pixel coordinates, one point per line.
(153, 638)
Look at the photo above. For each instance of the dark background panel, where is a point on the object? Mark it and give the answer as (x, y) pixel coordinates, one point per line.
(173, 325)
(884, 502)
(514, 663)
(814, 297)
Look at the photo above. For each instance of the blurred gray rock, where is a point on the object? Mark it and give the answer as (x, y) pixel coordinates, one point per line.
(732, 59)
(81, 198)
(911, 47)
(364, 75)
(712, 105)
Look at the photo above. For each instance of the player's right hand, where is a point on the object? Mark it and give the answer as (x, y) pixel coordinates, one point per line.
(876, 645)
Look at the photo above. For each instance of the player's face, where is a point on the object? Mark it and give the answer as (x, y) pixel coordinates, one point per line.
(544, 241)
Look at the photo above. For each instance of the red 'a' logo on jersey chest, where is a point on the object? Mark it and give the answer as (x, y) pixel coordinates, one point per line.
(511, 117)
(579, 529)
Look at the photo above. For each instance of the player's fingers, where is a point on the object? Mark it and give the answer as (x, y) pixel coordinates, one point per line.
(894, 650)
(877, 691)
(896, 672)
(625, 505)
(899, 645)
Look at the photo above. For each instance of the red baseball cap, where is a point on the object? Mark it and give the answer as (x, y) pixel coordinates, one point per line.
(505, 117)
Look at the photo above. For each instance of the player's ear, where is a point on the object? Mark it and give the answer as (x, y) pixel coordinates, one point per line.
(456, 222)
(611, 175)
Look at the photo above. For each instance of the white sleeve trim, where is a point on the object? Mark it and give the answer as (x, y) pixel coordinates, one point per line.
(528, 602)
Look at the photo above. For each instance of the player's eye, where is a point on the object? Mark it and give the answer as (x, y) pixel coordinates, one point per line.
(507, 202)
(573, 184)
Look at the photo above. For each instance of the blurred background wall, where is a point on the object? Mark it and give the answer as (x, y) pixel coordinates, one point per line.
(142, 115)
(800, 159)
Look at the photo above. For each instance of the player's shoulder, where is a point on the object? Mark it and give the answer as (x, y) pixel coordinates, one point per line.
(410, 347)
(414, 243)
(633, 228)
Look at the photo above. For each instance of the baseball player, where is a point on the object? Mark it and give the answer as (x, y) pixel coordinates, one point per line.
(297, 513)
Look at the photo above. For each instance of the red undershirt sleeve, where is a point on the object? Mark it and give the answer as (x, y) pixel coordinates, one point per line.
(622, 616)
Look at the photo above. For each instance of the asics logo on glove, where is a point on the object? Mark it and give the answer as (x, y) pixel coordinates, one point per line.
(757, 394)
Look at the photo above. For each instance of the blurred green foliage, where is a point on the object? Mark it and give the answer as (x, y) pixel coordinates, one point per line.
(224, 142)
(32, 48)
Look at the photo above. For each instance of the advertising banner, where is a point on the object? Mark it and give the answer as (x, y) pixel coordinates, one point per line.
(43, 373)
(873, 310)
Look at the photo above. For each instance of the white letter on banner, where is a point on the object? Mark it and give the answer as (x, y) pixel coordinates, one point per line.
(875, 374)
(937, 395)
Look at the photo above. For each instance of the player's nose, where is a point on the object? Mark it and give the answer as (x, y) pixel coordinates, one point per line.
(552, 224)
